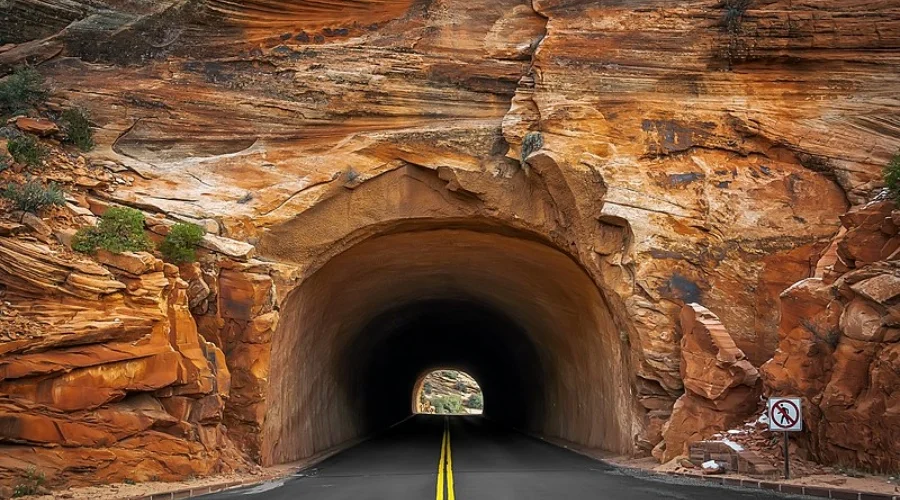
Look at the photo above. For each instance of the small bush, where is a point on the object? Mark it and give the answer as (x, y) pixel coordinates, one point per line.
(532, 142)
(832, 337)
(427, 387)
(447, 404)
(78, 130)
(179, 245)
(121, 229)
(475, 401)
(352, 175)
(892, 176)
(31, 484)
(26, 149)
(21, 91)
(33, 196)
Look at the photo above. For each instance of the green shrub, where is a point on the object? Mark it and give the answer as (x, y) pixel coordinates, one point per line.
(21, 91)
(447, 404)
(121, 229)
(427, 387)
(532, 142)
(31, 484)
(475, 401)
(179, 245)
(78, 130)
(33, 196)
(892, 176)
(26, 149)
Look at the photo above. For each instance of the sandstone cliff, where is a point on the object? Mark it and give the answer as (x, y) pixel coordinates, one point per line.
(692, 153)
(839, 344)
(103, 375)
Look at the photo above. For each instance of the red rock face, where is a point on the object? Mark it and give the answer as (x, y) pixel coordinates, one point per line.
(102, 373)
(721, 385)
(838, 347)
(686, 159)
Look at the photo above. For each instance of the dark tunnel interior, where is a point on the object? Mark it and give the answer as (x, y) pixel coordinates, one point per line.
(403, 344)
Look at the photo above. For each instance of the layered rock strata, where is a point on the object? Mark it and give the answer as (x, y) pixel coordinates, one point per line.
(692, 153)
(103, 375)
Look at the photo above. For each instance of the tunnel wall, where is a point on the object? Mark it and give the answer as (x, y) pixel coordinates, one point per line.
(554, 360)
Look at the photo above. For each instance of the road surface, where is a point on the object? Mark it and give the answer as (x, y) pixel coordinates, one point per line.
(431, 457)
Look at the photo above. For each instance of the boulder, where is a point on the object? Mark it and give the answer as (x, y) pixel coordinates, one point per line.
(881, 288)
(721, 385)
(711, 362)
(36, 126)
(134, 263)
(225, 246)
(846, 370)
(862, 321)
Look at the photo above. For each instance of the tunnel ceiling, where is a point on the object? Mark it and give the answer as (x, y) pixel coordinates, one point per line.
(517, 314)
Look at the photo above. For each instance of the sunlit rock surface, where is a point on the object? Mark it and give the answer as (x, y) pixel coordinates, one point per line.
(687, 157)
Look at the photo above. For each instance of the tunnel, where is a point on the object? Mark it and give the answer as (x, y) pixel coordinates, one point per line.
(521, 316)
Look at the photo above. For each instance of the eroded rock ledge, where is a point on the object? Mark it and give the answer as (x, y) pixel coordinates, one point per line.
(103, 375)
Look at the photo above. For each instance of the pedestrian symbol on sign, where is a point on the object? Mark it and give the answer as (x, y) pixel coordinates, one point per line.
(784, 414)
(786, 417)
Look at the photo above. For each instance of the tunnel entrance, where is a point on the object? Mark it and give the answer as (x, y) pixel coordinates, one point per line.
(520, 316)
(448, 392)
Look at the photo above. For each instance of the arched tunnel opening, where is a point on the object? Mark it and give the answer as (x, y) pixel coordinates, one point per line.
(447, 391)
(461, 334)
(519, 315)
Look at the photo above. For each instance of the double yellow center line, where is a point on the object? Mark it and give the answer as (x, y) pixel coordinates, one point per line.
(445, 466)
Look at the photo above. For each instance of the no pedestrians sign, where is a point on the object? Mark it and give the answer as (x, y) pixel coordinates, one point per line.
(785, 414)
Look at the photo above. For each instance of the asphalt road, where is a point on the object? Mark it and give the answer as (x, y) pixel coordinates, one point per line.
(413, 461)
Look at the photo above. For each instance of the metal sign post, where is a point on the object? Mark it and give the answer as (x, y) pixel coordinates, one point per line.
(785, 415)
(787, 461)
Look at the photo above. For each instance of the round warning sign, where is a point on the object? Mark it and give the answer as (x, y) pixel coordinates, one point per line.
(785, 414)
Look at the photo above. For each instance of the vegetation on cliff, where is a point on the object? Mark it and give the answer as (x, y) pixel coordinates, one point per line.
(179, 245)
(532, 142)
(121, 229)
(21, 92)
(77, 127)
(27, 150)
(892, 176)
(32, 196)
